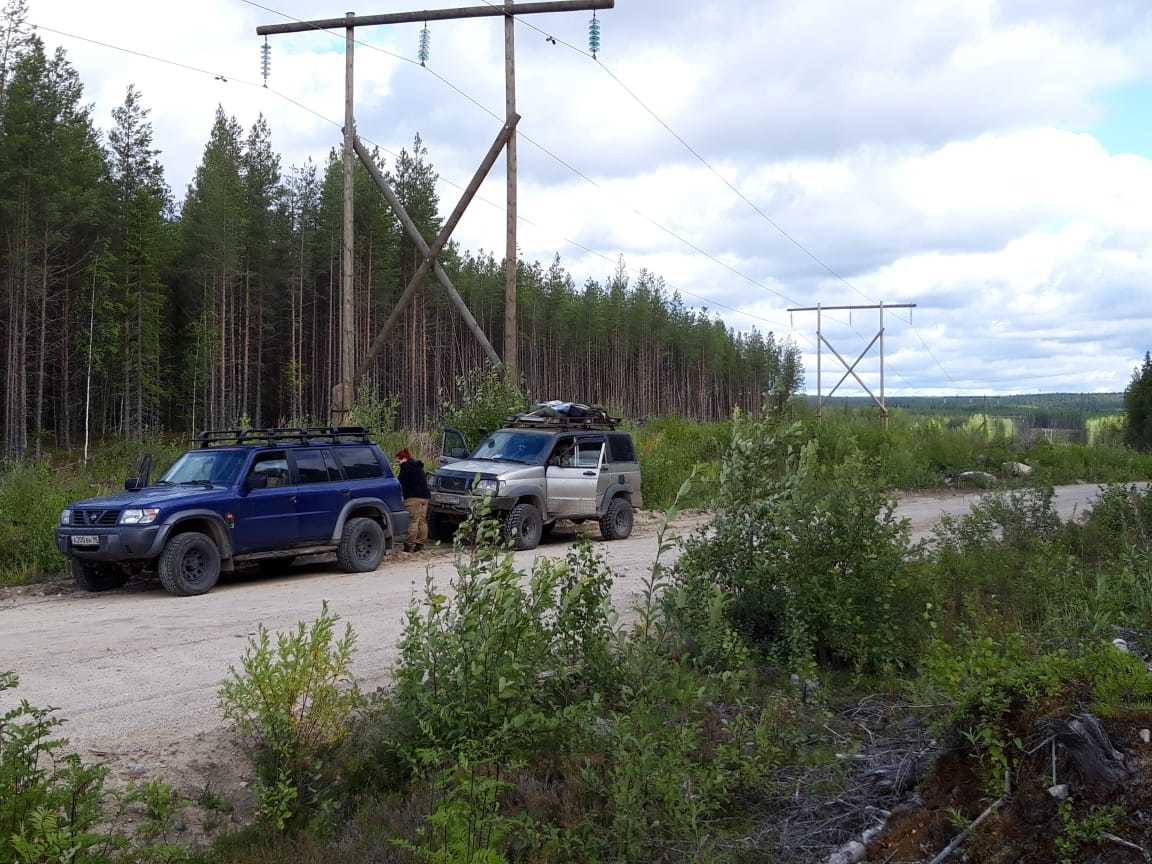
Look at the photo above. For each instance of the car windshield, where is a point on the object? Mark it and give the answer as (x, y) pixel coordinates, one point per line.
(510, 446)
(219, 467)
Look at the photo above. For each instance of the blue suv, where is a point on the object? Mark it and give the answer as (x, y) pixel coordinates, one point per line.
(259, 496)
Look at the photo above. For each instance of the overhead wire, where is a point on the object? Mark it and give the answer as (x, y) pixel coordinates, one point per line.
(553, 39)
(709, 302)
(234, 79)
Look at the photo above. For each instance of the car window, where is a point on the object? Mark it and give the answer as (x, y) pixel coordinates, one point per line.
(274, 466)
(621, 448)
(206, 466)
(310, 467)
(334, 473)
(513, 446)
(360, 463)
(588, 454)
(564, 453)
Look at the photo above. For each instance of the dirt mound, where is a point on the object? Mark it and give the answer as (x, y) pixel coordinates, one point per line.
(1082, 794)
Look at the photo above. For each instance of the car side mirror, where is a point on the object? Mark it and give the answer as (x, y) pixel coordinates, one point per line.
(257, 481)
(458, 453)
(134, 484)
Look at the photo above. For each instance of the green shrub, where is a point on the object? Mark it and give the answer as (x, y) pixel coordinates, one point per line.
(483, 399)
(500, 664)
(54, 808)
(813, 558)
(670, 450)
(293, 701)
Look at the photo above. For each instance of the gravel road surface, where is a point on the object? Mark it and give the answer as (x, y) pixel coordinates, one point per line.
(135, 671)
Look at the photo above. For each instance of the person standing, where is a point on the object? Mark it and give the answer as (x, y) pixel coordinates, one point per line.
(414, 487)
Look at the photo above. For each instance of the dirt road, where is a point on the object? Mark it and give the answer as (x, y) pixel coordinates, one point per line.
(136, 671)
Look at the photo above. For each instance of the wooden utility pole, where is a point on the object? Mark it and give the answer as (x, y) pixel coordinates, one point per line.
(343, 394)
(343, 398)
(511, 255)
(850, 368)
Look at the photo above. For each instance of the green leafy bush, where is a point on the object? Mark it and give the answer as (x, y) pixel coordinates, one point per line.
(54, 808)
(502, 664)
(293, 701)
(484, 397)
(813, 558)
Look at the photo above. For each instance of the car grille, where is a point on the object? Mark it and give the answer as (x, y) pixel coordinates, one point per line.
(453, 484)
(91, 516)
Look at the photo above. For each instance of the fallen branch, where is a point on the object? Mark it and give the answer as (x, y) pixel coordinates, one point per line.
(1126, 843)
(963, 835)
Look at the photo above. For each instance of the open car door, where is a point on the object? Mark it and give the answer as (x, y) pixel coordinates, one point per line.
(453, 446)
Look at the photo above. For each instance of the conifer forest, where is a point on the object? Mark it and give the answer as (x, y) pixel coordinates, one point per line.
(129, 309)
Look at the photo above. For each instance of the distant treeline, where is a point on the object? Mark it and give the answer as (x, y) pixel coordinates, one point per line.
(1068, 411)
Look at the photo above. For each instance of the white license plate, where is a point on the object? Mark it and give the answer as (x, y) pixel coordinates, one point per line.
(85, 540)
(450, 500)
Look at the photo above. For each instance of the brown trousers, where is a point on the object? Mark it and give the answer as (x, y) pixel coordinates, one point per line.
(417, 520)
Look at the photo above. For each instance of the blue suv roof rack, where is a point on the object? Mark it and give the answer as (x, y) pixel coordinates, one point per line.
(300, 435)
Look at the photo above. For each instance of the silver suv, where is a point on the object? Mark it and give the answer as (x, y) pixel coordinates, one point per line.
(537, 471)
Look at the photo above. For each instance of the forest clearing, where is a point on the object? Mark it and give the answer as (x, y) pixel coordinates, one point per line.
(403, 462)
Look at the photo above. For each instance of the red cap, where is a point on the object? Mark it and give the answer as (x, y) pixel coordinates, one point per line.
(404, 454)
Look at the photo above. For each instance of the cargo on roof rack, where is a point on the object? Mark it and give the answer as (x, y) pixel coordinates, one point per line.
(300, 435)
(564, 415)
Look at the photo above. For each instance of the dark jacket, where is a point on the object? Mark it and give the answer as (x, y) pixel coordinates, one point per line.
(413, 480)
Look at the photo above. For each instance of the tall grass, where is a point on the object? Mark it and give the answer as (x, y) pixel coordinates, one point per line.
(669, 449)
(32, 494)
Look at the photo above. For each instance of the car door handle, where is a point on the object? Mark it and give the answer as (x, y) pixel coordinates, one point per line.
(345, 492)
(293, 499)
(589, 473)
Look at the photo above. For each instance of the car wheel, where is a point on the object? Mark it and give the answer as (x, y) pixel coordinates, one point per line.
(616, 524)
(523, 527)
(361, 546)
(275, 566)
(97, 576)
(190, 564)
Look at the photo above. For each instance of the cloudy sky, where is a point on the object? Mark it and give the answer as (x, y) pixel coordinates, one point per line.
(988, 160)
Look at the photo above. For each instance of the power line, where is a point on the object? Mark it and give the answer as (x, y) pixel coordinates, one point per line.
(223, 78)
(543, 149)
(735, 189)
(710, 303)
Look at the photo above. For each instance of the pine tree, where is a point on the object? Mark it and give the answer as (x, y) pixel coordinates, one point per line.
(52, 191)
(139, 250)
(1138, 407)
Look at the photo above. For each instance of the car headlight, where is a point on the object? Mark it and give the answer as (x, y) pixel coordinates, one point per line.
(139, 517)
(66, 517)
(487, 487)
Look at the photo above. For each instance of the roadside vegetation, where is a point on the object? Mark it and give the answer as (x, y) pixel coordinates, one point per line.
(917, 452)
(790, 679)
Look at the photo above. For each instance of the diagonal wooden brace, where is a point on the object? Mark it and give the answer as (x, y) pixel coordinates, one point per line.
(430, 253)
(852, 368)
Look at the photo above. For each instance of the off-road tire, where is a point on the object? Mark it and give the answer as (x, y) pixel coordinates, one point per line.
(616, 524)
(98, 576)
(189, 564)
(362, 546)
(275, 566)
(441, 529)
(523, 527)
